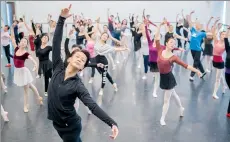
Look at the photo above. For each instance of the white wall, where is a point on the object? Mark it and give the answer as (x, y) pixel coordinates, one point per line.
(157, 9)
(92, 9)
(228, 12)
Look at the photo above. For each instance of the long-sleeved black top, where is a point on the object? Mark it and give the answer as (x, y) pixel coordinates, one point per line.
(227, 49)
(42, 54)
(63, 93)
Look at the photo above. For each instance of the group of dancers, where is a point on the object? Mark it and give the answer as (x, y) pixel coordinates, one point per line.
(94, 48)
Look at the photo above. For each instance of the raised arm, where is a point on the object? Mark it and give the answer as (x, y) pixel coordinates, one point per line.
(207, 26)
(12, 37)
(2, 24)
(158, 37)
(182, 13)
(56, 56)
(177, 19)
(214, 29)
(190, 19)
(147, 33)
(66, 46)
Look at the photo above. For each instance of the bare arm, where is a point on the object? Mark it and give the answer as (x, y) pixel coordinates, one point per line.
(3, 24)
(214, 30)
(186, 29)
(13, 38)
(191, 68)
(182, 13)
(190, 20)
(34, 62)
(177, 18)
(180, 37)
(207, 26)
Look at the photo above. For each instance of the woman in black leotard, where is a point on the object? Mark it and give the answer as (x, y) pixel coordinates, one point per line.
(80, 37)
(42, 52)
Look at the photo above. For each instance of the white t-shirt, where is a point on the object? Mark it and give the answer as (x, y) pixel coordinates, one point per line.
(144, 46)
(5, 38)
(21, 27)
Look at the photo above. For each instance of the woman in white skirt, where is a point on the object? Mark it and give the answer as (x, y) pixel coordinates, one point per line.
(22, 75)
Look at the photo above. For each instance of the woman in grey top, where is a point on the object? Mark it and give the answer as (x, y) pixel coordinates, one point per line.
(101, 50)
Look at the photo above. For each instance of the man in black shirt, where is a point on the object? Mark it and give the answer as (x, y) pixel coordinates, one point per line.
(65, 86)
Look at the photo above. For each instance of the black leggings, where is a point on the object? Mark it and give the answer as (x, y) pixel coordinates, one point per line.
(146, 62)
(104, 74)
(93, 60)
(185, 36)
(179, 43)
(196, 63)
(67, 135)
(227, 78)
(47, 76)
(7, 52)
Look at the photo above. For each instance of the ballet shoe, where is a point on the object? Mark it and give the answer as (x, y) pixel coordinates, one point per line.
(40, 101)
(26, 110)
(5, 116)
(215, 97)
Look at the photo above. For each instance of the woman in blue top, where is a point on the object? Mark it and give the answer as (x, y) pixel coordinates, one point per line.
(195, 46)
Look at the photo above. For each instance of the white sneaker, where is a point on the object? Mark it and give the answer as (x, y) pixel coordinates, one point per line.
(118, 62)
(208, 71)
(91, 80)
(191, 78)
(139, 66)
(144, 77)
(45, 94)
(101, 92)
(38, 76)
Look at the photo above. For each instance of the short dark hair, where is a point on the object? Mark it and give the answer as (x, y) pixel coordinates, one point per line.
(75, 45)
(45, 34)
(8, 27)
(21, 19)
(86, 54)
(169, 39)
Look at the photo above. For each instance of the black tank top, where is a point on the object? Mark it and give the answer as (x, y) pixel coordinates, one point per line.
(90, 29)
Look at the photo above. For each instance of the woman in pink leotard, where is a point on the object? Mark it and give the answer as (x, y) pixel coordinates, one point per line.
(218, 63)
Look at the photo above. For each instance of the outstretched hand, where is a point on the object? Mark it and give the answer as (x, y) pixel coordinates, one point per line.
(114, 132)
(66, 12)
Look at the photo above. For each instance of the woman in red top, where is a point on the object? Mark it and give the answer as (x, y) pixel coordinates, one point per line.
(22, 75)
(167, 81)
